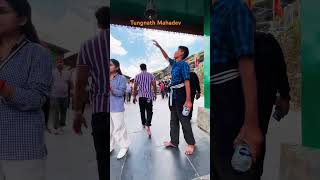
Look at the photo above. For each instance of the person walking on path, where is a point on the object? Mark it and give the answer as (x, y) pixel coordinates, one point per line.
(46, 110)
(94, 60)
(118, 130)
(25, 79)
(143, 85)
(162, 89)
(180, 98)
(128, 92)
(62, 84)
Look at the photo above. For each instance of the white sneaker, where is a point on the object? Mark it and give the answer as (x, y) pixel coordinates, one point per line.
(122, 153)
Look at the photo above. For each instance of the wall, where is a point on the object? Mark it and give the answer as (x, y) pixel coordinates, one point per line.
(310, 73)
(207, 54)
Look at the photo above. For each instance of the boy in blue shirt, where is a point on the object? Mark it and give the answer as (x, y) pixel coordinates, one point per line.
(180, 97)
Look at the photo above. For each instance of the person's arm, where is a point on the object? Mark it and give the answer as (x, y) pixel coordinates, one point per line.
(34, 93)
(283, 86)
(70, 84)
(154, 85)
(188, 91)
(186, 78)
(119, 90)
(135, 87)
(242, 34)
(82, 76)
(249, 86)
(135, 90)
(165, 55)
(282, 81)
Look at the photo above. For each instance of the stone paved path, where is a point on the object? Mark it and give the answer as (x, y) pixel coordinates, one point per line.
(149, 160)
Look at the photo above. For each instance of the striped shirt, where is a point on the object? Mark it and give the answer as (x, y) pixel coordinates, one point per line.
(95, 54)
(29, 71)
(144, 81)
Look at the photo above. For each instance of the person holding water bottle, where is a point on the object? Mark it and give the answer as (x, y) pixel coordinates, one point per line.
(180, 98)
(237, 138)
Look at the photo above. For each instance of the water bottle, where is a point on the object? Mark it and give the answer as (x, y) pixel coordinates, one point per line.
(241, 159)
(185, 111)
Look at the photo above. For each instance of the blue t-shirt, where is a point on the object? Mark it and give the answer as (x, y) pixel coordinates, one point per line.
(232, 31)
(180, 71)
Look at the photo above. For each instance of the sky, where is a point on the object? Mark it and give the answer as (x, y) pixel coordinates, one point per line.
(133, 46)
(64, 22)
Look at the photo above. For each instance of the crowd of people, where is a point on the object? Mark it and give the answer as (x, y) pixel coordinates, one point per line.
(183, 88)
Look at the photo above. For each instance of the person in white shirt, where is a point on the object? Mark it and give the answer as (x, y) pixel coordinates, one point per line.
(61, 87)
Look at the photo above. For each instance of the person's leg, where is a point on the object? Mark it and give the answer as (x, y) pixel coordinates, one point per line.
(142, 105)
(228, 117)
(149, 109)
(265, 105)
(46, 111)
(83, 108)
(63, 111)
(129, 97)
(2, 175)
(174, 127)
(112, 138)
(120, 131)
(186, 126)
(28, 170)
(260, 160)
(56, 114)
(99, 125)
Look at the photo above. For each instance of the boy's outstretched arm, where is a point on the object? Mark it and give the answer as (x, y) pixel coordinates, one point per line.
(165, 55)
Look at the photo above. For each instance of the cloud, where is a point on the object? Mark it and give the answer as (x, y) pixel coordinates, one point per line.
(132, 67)
(152, 56)
(154, 63)
(116, 47)
(169, 40)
